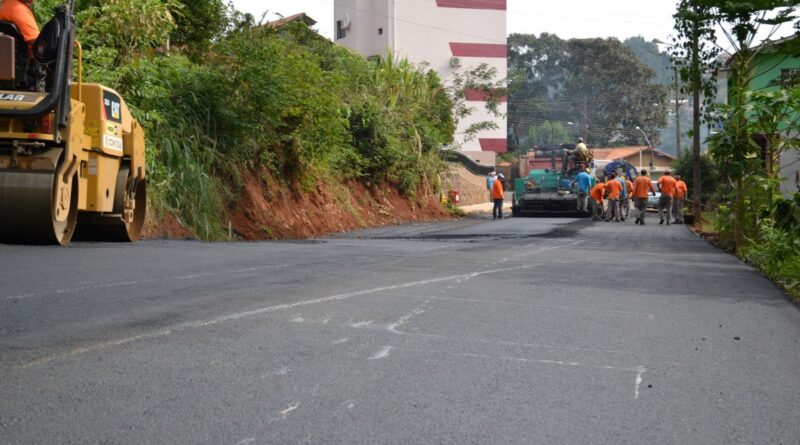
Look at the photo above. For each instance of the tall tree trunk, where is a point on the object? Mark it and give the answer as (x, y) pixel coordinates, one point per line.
(696, 84)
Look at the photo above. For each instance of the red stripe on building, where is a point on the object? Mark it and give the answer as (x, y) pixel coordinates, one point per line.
(479, 50)
(480, 96)
(495, 145)
(499, 5)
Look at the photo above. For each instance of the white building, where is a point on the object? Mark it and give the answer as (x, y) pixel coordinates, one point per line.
(448, 36)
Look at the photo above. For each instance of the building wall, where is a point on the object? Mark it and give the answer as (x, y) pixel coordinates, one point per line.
(432, 33)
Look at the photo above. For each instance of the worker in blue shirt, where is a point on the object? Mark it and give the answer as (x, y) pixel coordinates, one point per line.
(490, 183)
(584, 182)
(624, 202)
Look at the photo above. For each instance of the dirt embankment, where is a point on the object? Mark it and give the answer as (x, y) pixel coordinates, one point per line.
(267, 210)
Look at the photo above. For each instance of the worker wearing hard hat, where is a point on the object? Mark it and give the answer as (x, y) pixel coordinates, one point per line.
(497, 197)
(20, 14)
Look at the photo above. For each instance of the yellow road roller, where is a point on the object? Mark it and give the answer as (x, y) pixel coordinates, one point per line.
(72, 159)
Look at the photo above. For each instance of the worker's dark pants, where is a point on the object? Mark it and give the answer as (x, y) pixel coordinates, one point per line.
(583, 201)
(677, 209)
(613, 210)
(664, 207)
(599, 212)
(641, 207)
(625, 207)
(497, 210)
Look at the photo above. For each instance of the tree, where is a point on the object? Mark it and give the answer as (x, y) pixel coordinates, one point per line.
(697, 22)
(200, 23)
(598, 83)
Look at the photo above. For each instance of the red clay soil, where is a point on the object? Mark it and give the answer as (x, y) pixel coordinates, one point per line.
(268, 210)
(166, 226)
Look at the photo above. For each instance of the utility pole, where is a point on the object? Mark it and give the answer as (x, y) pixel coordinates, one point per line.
(696, 85)
(677, 113)
(585, 123)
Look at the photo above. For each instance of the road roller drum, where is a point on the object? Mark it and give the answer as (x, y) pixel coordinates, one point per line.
(72, 161)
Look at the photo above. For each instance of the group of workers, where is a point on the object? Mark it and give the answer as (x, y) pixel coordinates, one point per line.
(619, 191)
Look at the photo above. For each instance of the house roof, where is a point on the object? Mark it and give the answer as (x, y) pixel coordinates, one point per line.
(768, 47)
(612, 153)
(301, 17)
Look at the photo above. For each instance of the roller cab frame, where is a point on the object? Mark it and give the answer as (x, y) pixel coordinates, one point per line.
(72, 158)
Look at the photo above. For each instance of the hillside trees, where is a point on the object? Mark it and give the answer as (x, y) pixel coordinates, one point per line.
(284, 103)
(558, 80)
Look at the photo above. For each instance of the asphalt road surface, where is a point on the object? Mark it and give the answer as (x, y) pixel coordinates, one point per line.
(518, 331)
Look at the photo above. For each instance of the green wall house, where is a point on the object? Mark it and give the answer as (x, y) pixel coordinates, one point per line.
(777, 65)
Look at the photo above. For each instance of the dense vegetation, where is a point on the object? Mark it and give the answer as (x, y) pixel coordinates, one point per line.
(597, 87)
(219, 94)
(754, 220)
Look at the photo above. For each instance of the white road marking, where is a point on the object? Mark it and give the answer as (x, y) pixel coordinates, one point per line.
(291, 408)
(639, 371)
(278, 308)
(549, 306)
(246, 441)
(340, 341)
(297, 319)
(383, 353)
(407, 317)
(100, 286)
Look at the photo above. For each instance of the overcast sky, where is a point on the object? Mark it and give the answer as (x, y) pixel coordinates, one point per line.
(651, 19)
(566, 18)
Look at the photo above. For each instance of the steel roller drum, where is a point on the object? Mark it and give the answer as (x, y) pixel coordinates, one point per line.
(112, 227)
(26, 209)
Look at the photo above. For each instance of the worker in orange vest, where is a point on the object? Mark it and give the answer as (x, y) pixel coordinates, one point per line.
(20, 14)
(497, 197)
(597, 195)
(681, 191)
(667, 185)
(613, 193)
(642, 185)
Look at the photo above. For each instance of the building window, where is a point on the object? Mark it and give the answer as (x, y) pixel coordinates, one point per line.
(380, 31)
(790, 77)
(340, 32)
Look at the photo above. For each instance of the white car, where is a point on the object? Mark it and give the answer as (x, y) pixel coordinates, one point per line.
(652, 201)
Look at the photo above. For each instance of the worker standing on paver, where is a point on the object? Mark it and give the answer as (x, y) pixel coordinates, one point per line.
(584, 183)
(642, 185)
(597, 195)
(497, 197)
(490, 182)
(667, 185)
(613, 191)
(680, 194)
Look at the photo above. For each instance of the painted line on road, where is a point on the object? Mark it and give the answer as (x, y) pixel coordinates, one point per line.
(101, 286)
(269, 309)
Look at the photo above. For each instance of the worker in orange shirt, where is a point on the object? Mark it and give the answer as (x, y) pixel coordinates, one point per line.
(613, 193)
(642, 185)
(625, 201)
(497, 197)
(667, 185)
(681, 191)
(20, 14)
(597, 195)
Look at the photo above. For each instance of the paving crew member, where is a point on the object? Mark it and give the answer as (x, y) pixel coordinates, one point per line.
(626, 205)
(667, 185)
(490, 182)
(680, 195)
(584, 182)
(641, 186)
(613, 191)
(19, 13)
(623, 197)
(497, 197)
(597, 194)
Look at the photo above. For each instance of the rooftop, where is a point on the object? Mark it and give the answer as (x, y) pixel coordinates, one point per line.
(612, 153)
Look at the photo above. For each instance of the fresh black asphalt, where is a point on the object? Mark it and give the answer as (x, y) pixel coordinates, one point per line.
(472, 331)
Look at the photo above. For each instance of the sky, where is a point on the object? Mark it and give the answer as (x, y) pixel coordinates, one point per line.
(565, 18)
(651, 19)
